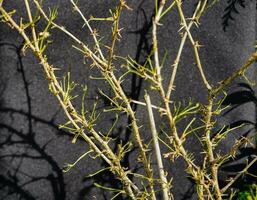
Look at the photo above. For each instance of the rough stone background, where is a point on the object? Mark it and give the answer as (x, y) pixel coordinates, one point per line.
(32, 148)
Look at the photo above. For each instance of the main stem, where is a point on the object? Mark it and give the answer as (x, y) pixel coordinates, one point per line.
(165, 185)
(209, 147)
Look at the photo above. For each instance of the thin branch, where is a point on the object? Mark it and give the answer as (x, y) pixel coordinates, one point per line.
(238, 175)
(209, 147)
(164, 182)
(21, 31)
(90, 29)
(73, 116)
(144, 104)
(194, 44)
(34, 35)
(180, 49)
(154, 34)
(192, 168)
(239, 72)
(72, 36)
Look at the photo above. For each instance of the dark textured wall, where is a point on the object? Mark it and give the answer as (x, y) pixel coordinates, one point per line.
(32, 148)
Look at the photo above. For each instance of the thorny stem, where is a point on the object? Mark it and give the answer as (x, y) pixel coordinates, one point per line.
(194, 44)
(89, 28)
(34, 35)
(72, 36)
(155, 43)
(194, 19)
(112, 77)
(231, 78)
(208, 124)
(115, 32)
(21, 31)
(175, 65)
(205, 183)
(136, 133)
(225, 188)
(74, 117)
(109, 73)
(214, 92)
(209, 147)
(191, 166)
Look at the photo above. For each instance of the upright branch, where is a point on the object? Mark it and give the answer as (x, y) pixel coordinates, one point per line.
(155, 40)
(164, 182)
(93, 32)
(178, 143)
(115, 33)
(108, 73)
(209, 125)
(209, 147)
(80, 124)
(77, 120)
(195, 44)
(193, 20)
(32, 24)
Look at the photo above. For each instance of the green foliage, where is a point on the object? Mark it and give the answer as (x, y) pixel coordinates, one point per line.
(248, 193)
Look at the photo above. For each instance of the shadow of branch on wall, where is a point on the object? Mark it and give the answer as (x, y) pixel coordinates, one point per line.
(231, 10)
(19, 147)
(245, 153)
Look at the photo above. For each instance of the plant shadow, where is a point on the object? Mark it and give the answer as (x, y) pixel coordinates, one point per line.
(245, 153)
(232, 8)
(19, 146)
